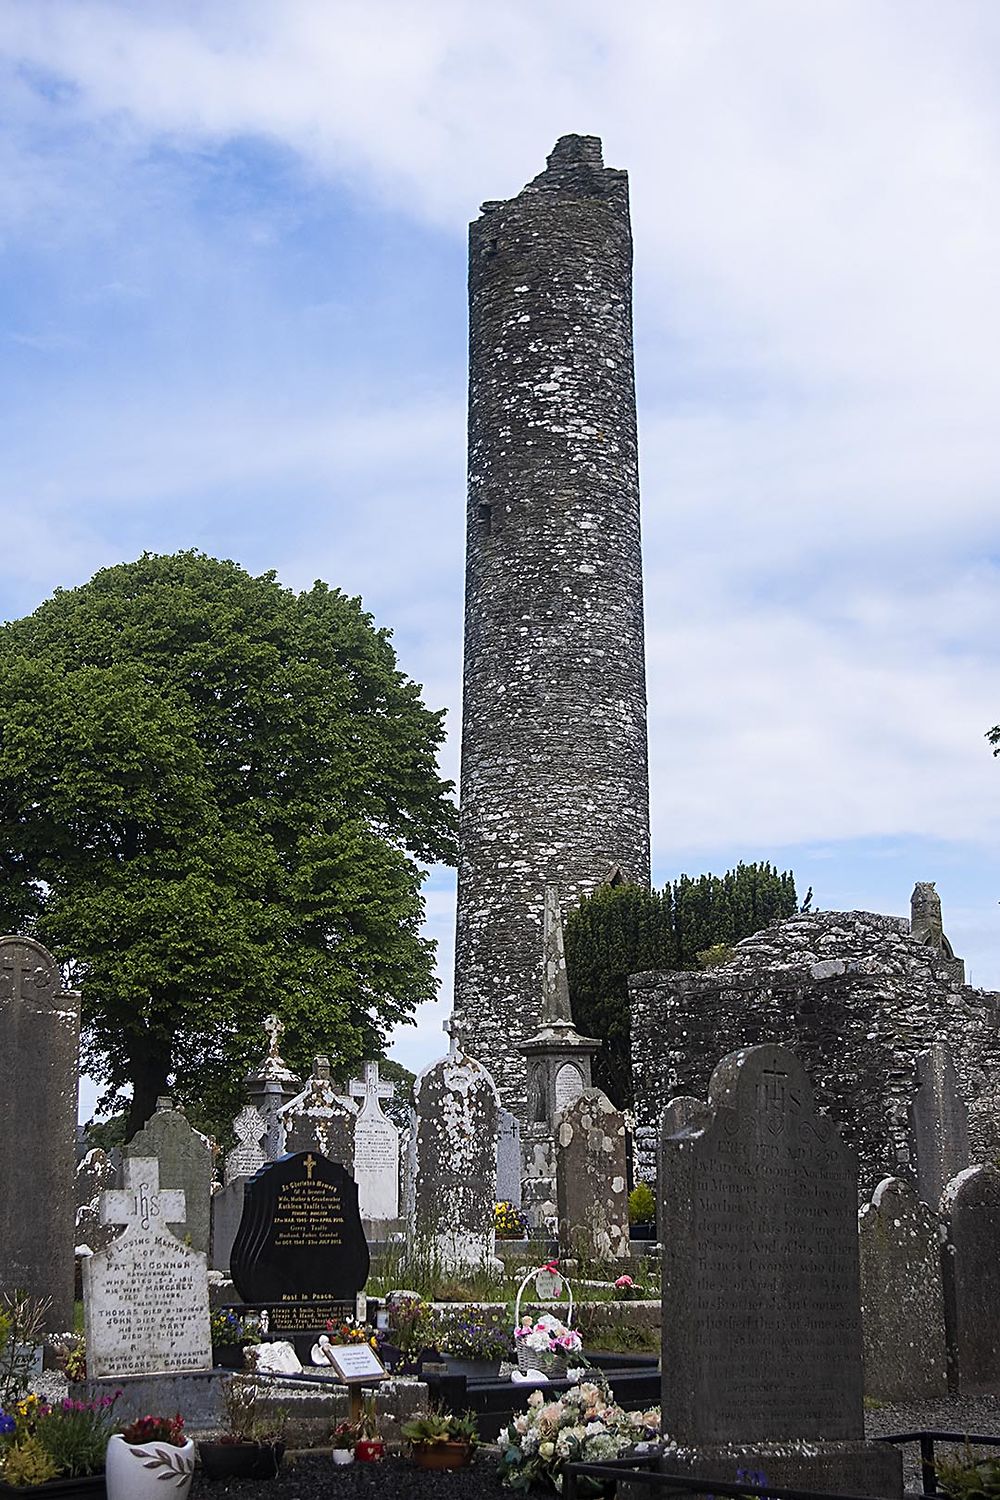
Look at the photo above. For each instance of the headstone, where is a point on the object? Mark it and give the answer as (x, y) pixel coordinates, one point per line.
(247, 1156)
(454, 1153)
(39, 1067)
(376, 1148)
(509, 1158)
(902, 1304)
(186, 1159)
(569, 1085)
(321, 1119)
(271, 1087)
(145, 1295)
(761, 1306)
(95, 1174)
(971, 1272)
(227, 1211)
(300, 1251)
(591, 1185)
(939, 1123)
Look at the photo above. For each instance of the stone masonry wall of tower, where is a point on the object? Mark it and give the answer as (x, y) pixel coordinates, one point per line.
(554, 782)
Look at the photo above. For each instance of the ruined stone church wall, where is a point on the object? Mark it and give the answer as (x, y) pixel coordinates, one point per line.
(852, 993)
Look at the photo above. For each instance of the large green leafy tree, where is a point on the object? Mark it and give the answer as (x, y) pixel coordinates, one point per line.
(214, 797)
(626, 929)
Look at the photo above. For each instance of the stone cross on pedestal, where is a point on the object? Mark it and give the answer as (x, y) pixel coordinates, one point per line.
(142, 1201)
(451, 1032)
(370, 1090)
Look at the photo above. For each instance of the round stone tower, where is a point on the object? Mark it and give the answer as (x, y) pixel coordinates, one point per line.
(554, 783)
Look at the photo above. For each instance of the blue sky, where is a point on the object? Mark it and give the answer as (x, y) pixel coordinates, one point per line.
(232, 265)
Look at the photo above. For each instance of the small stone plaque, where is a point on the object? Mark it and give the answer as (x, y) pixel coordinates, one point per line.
(300, 1241)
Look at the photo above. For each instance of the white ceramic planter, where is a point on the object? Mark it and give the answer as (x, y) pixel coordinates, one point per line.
(140, 1471)
(343, 1455)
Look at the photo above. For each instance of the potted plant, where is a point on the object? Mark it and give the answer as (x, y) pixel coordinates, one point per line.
(146, 1453)
(442, 1441)
(344, 1437)
(473, 1340)
(230, 1337)
(509, 1222)
(642, 1212)
(369, 1448)
(252, 1445)
(59, 1448)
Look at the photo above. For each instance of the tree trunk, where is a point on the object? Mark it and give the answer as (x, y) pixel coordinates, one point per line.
(150, 1072)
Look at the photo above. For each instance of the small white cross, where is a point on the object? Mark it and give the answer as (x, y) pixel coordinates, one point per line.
(142, 1202)
(371, 1090)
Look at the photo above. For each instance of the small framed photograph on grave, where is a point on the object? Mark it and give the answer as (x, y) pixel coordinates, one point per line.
(356, 1364)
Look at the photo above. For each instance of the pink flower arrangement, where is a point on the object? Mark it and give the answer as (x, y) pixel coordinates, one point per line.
(548, 1336)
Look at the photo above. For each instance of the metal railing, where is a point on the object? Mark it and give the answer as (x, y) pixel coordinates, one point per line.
(641, 1469)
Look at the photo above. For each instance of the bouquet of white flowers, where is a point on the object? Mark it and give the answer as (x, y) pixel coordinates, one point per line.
(583, 1426)
(545, 1345)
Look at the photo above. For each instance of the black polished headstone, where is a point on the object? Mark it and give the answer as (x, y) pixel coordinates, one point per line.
(300, 1249)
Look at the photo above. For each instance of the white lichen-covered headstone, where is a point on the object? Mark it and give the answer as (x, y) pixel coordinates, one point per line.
(321, 1119)
(247, 1156)
(94, 1175)
(145, 1296)
(970, 1205)
(591, 1183)
(376, 1148)
(454, 1157)
(902, 1305)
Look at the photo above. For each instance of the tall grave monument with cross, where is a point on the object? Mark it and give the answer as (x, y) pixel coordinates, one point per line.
(376, 1147)
(145, 1296)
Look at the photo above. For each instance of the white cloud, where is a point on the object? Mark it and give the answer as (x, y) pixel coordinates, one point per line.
(817, 320)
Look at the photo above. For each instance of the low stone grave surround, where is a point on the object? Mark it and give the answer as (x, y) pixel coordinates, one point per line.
(312, 1408)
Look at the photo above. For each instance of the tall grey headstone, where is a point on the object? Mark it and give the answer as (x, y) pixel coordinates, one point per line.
(321, 1119)
(39, 1068)
(509, 1159)
(971, 1272)
(454, 1161)
(145, 1296)
(376, 1148)
(185, 1159)
(939, 1123)
(591, 1183)
(902, 1303)
(761, 1303)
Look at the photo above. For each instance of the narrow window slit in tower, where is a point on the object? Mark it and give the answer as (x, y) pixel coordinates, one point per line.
(485, 514)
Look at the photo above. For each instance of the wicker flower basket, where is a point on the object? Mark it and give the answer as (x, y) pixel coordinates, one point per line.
(545, 1362)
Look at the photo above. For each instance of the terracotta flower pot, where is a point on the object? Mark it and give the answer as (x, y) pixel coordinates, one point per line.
(451, 1455)
(140, 1471)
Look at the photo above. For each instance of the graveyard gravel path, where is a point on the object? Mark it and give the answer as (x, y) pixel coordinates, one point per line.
(317, 1477)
